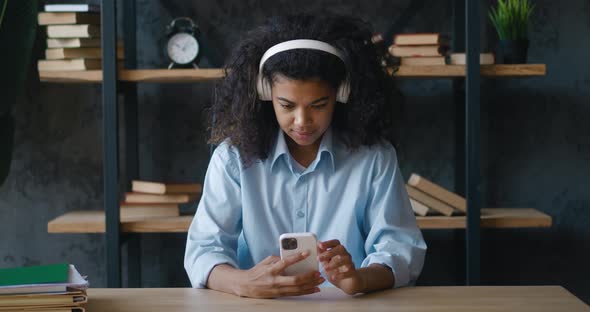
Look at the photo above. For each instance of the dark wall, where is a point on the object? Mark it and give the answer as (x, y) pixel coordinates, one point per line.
(535, 146)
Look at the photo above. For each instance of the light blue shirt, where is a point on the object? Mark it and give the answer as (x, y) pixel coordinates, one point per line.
(357, 197)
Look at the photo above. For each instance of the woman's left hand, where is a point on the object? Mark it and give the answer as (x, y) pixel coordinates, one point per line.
(339, 268)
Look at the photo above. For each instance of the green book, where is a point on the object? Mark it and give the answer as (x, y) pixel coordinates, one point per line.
(43, 274)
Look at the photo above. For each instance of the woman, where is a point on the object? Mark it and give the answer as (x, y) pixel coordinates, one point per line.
(304, 117)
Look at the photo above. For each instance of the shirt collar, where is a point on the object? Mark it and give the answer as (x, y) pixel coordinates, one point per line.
(326, 147)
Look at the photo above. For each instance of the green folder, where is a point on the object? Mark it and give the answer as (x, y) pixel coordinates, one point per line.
(43, 274)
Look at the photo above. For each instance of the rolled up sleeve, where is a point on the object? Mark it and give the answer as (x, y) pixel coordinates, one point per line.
(393, 237)
(213, 233)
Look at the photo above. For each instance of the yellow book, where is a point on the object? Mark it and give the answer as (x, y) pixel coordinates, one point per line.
(71, 64)
(438, 192)
(73, 43)
(419, 208)
(166, 188)
(45, 309)
(419, 39)
(65, 18)
(429, 201)
(418, 50)
(422, 61)
(74, 53)
(133, 211)
(154, 198)
(43, 299)
(73, 31)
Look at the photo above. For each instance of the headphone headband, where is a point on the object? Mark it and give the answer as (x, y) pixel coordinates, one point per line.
(300, 44)
(263, 86)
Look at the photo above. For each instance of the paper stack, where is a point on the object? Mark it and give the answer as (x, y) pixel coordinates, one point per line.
(57, 287)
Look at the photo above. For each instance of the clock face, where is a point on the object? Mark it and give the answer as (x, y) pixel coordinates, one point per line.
(182, 48)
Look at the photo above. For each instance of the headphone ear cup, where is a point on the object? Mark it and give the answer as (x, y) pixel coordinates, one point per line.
(264, 89)
(343, 92)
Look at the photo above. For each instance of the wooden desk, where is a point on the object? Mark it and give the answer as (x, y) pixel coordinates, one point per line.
(415, 299)
(93, 221)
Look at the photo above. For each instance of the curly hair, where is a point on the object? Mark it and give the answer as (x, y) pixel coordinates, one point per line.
(250, 124)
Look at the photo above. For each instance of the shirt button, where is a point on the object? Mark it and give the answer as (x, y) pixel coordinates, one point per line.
(300, 214)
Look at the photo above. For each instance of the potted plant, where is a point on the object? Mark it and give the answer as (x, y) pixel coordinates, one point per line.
(510, 19)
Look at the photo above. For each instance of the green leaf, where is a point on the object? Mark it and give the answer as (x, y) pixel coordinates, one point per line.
(510, 18)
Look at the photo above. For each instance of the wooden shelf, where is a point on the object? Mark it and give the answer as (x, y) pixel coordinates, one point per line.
(94, 221)
(194, 75)
(138, 75)
(453, 71)
(496, 218)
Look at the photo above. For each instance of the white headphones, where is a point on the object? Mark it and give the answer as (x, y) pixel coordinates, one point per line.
(263, 86)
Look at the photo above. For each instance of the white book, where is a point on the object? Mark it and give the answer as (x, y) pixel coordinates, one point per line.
(73, 42)
(73, 31)
(72, 8)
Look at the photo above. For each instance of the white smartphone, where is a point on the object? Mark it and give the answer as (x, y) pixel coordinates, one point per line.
(296, 243)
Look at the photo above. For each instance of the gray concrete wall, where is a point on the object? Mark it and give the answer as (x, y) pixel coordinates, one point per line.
(535, 146)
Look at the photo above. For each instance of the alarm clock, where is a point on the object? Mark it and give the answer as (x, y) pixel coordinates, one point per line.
(182, 47)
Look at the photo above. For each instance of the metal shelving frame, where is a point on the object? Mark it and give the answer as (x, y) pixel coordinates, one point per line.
(466, 34)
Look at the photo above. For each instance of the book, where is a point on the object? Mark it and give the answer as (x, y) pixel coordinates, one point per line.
(46, 288)
(419, 208)
(43, 278)
(73, 31)
(72, 7)
(65, 18)
(417, 50)
(73, 42)
(419, 39)
(429, 201)
(154, 198)
(69, 65)
(71, 53)
(423, 61)
(438, 192)
(461, 58)
(45, 309)
(142, 210)
(44, 299)
(165, 188)
(43, 274)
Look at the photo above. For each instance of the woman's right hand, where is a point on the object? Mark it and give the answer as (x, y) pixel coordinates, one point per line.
(265, 280)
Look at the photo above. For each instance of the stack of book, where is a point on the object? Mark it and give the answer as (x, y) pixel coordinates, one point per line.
(156, 199)
(73, 38)
(427, 197)
(419, 49)
(55, 288)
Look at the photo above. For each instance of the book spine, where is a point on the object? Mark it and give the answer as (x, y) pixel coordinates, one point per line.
(418, 207)
(429, 201)
(417, 51)
(438, 192)
(149, 198)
